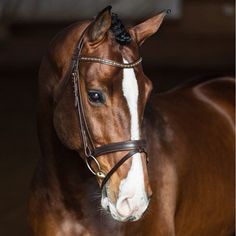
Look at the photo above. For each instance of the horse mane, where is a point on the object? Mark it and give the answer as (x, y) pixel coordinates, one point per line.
(122, 36)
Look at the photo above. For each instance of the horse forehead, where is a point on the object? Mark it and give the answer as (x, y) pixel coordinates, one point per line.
(99, 72)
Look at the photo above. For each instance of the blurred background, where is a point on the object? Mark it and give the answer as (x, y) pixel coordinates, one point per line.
(197, 39)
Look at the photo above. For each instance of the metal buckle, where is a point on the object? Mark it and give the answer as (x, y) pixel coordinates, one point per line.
(99, 173)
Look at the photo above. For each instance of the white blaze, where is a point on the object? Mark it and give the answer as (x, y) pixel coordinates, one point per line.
(133, 185)
(131, 93)
(132, 200)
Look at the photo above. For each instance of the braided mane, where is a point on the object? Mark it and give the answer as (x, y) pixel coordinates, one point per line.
(121, 34)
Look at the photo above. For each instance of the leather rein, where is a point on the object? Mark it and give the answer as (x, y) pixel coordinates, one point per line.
(91, 152)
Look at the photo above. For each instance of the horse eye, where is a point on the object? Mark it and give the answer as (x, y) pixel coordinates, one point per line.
(96, 97)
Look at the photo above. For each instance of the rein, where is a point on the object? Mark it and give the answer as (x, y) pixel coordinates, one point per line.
(90, 151)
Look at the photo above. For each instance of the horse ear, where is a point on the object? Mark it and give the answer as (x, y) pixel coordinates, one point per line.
(100, 26)
(147, 28)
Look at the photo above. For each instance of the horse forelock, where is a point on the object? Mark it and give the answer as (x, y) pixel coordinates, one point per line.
(122, 36)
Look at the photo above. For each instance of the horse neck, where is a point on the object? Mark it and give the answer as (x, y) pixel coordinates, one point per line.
(159, 129)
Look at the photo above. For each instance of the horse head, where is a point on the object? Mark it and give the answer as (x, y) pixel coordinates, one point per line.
(112, 98)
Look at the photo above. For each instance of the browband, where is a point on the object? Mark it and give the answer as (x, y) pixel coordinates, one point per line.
(110, 62)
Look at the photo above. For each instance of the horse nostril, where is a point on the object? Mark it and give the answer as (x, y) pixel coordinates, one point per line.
(123, 207)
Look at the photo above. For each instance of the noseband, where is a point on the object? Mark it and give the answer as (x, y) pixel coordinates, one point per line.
(90, 151)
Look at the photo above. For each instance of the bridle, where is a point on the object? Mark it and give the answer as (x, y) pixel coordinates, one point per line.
(90, 151)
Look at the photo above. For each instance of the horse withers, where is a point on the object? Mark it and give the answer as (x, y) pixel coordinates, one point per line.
(98, 128)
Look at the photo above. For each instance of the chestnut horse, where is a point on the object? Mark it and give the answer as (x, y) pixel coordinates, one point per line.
(189, 134)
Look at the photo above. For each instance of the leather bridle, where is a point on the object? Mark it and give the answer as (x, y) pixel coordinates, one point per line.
(90, 151)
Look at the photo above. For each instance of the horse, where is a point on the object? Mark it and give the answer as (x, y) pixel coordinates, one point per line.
(118, 159)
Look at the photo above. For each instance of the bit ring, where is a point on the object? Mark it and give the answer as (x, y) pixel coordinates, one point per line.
(99, 172)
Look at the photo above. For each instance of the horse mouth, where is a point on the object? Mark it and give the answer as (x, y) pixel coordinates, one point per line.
(135, 216)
